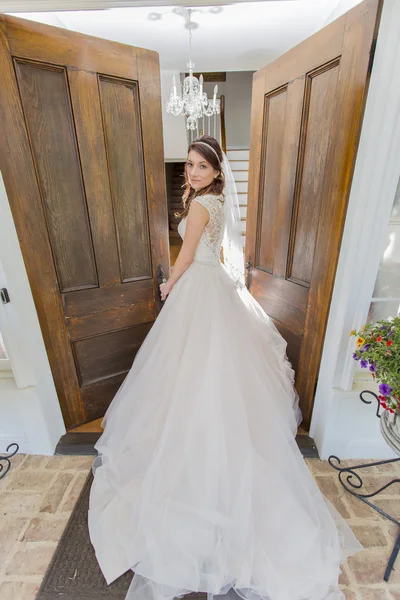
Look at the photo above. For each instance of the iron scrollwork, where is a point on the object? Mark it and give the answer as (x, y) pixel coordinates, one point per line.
(6, 459)
(352, 481)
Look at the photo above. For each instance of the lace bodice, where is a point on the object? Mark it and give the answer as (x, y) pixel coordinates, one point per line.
(209, 246)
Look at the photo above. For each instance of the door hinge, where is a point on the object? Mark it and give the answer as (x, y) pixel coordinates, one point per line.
(371, 56)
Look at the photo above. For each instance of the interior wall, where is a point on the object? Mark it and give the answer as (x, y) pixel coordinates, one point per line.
(174, 127)
(237, 90)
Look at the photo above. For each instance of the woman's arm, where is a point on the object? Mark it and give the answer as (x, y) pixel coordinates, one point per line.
(197, 219)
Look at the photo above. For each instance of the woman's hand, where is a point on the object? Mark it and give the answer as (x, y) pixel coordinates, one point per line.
(165, 289)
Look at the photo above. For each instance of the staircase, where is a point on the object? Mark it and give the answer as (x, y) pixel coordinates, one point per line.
(239, 161)
(175, 204)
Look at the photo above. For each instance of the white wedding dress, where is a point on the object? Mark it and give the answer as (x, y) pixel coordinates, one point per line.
(199, 484)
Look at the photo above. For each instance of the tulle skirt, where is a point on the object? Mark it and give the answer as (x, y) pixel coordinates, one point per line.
(199, 484)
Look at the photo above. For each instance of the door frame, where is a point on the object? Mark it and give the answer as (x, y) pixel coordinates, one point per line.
(340, 422)
(335, 402)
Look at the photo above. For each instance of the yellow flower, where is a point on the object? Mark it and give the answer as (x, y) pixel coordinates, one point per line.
(363, 328)
(360, 342)
(353, 332)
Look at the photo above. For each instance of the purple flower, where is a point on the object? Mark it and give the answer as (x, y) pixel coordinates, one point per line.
(367, 347)
(385, 389)
(373, 367)
(364, 364)
(356, 357)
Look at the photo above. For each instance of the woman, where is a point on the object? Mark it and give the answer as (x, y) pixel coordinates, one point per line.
(199, 484)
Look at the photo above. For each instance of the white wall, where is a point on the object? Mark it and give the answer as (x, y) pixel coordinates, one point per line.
(237, 90)
(174, 128)
(29, 409)
(341, 7)
(341, 423)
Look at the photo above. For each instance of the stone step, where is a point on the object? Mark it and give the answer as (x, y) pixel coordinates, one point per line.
(242, 186)
(239, 165)
(240, 175)
(239, 154)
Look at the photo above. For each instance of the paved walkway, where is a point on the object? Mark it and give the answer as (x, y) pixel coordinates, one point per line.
(39, 493)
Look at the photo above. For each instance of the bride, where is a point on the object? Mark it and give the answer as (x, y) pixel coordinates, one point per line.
(199, 484)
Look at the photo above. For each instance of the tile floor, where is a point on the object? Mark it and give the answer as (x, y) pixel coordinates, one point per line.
(38, 495)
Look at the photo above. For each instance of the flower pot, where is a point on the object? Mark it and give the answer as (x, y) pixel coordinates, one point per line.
(390, 430)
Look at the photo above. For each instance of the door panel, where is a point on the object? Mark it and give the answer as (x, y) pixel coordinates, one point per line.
(82, 160)
(120, 111)
(49, 121)
(306, 118)
(85, 100)
(108, 355)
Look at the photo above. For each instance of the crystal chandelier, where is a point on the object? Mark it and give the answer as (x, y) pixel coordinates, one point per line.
(193, 102)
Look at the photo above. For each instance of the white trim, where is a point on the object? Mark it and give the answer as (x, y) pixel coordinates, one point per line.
(12, 324)
(29, 407)
(13, 6)
(352, 430)
(376, 175)
(6, 373)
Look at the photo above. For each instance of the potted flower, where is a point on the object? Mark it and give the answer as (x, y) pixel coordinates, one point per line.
(378, 350)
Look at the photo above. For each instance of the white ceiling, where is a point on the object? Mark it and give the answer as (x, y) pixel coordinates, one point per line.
(243, 36)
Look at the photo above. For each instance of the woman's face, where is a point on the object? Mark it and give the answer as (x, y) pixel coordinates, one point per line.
(200, 173)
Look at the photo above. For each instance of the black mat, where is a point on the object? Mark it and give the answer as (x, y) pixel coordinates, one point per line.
(73, 573)
(83, 443)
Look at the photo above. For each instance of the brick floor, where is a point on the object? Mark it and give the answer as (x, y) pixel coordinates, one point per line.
(39, 493)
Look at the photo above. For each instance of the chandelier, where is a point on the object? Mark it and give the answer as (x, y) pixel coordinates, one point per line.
(193, 103)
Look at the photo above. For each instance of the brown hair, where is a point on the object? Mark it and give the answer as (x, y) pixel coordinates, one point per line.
(215, 159)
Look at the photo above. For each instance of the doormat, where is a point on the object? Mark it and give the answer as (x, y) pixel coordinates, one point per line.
(74, 573)
(77, 443)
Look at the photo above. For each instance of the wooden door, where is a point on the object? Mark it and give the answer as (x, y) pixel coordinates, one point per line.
(82, 159)
(307, 112)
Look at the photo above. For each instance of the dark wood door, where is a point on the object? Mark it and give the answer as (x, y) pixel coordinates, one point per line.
(81, 154)
(306, 116)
